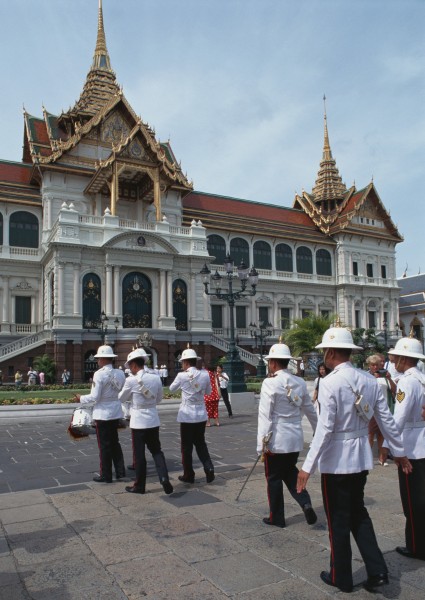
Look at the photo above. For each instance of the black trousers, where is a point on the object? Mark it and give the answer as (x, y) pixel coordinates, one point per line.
(110, 451)
(225, 396)
(412, 492)
(282, 468)
(343, 500)
(193, 434)
(150, 438)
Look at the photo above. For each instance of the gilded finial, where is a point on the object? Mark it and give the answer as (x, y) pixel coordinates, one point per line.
(188, 345)
(412, 333)
(280, 340)
(338, 322)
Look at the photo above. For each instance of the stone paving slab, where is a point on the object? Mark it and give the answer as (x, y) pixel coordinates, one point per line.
(89, 541)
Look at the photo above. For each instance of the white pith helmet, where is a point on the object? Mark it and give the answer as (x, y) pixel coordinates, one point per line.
(338, 337)
(408, 346)
(279, 351)
(105, 352)
(188, 354)
(138, 353)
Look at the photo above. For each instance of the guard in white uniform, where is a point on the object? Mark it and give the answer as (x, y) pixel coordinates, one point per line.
(283, 401)
(410, 397)
(144, 390)
(340, 449)
(107, 411)
(192, 415)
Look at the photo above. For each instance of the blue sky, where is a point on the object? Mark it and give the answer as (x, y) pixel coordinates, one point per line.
(237, 86)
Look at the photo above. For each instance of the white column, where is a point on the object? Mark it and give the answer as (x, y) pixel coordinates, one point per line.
(108, 290)
(77, 289)
(169, 294)
(117, 291)
(275, 316)
(192, 296)
(33, 318)
(206, 303)
(162, 294)
(253, 318)
(5, 316)
(13, 311)
(61, 295)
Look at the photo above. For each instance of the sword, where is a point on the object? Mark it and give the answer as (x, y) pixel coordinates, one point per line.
(266, 440)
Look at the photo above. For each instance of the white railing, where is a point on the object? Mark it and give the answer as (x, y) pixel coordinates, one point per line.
(179, 230)
(23, 251)
(224, 345)
(23, 328)
(23, 343)
(284, 274)
(90, 220)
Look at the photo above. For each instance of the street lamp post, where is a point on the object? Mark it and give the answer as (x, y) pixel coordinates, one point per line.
(385, 328)
(233, 365)
(263, 331)
(102, 325)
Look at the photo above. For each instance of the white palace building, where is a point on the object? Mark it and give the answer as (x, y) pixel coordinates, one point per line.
(98, 220)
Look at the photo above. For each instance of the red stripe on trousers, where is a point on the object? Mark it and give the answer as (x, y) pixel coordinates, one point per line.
(325, 490)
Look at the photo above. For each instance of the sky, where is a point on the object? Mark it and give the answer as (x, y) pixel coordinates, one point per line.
(237, 87)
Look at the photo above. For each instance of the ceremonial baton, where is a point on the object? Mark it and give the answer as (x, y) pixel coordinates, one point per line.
(266, 440)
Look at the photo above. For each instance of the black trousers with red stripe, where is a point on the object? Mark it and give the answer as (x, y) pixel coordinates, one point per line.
(110, 451)
(282, 468)
(193, 434)
(412, 492)
(150, 438)
(343, 500)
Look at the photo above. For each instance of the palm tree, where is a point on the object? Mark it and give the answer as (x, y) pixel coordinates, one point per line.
(46, 365)
(307, 333)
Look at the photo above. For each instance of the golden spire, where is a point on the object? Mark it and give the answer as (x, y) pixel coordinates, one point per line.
(101, 85)
(412, 333)
(101, 57)
(328, 184)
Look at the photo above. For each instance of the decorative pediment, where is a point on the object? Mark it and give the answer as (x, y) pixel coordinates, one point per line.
(306, 301)
(114, 128)
(141, 242)
(264, 300)
(285, 301)
(326, 303)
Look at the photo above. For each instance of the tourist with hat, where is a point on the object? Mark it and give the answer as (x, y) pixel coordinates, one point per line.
(410, 398)
(341, 451)
(192, 415)
(107, 412)
(144, 390)
(283, 401)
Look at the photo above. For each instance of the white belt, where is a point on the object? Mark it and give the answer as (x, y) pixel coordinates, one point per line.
(414, 424)
(296, 419)
(349, 435)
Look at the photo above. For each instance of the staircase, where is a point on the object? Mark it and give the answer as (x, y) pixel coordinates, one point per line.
(248, 357)
(23, 344)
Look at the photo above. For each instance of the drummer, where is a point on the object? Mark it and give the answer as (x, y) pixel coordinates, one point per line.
(107, 411)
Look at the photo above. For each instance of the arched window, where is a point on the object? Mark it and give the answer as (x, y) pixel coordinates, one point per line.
(23, 230)
(180, 304)
(1, 229)
(323, 262)
(304, 260)
(284, 258)
(217, 247)
(136, 301)
(91, 300)
(239, 251)
(262, 256)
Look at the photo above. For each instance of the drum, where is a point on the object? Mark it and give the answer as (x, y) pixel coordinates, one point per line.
(81, 423)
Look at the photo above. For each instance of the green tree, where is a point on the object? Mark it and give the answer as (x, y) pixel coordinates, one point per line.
(46, 365)
(370, 344)
(307, 333)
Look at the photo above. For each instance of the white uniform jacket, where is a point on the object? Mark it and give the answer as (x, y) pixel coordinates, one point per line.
(107, 383)
(145, 392)
(280, 414)
(410, 397)
(194, 384)
(338, 417)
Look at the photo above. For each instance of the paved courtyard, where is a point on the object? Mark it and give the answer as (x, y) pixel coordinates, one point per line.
(64, 537)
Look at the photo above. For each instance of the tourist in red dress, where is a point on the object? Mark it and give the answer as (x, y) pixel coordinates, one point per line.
(211, 400)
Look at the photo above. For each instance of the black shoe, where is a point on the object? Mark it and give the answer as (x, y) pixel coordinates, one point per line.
(121, 476)
(374, 581)
(230, 416)
(310, 515)
(210, 475)
(186, 479)
(405, 552)
(131, 467)
(267, 521)
(102, 479)
(326, 578)
(134, 490)
(168, 488)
